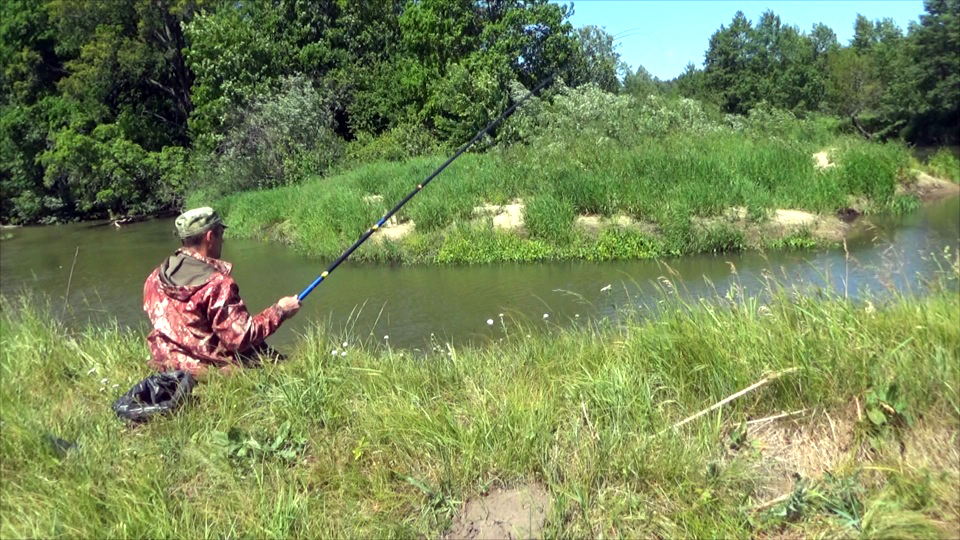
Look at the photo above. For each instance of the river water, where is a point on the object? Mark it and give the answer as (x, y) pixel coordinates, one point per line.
(408, 304)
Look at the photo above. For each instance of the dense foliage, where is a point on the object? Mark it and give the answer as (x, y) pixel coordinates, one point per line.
(117, 107)
(884, 83)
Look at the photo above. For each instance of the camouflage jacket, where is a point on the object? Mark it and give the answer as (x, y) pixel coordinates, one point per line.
(199, 320)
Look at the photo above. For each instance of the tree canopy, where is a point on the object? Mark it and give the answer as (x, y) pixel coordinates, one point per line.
(114, 107)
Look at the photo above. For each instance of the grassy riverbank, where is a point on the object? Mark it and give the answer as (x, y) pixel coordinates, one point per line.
(589, 198)
(384, 443)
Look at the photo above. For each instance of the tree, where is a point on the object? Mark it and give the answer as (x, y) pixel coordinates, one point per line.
(771, 62)
(640, 83)
(725, 65)
(692, 84)
(29, 71)
(823, 40)
(598, 61)
(936, 41)
(852, 85)
(864, 34)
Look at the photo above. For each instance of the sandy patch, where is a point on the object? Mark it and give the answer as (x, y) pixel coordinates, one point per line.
(394, 228)
(507, 216)
(929, 188)
(822, 161)
(793, 218)
(780, 222)
(802, 447)
(516, 513)
(394, 231)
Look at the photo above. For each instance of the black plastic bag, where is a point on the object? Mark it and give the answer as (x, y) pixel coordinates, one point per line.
(157, 394)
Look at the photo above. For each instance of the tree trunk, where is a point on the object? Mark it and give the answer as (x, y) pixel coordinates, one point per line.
(856, 124)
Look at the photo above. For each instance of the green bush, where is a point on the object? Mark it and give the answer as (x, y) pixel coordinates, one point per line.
(619, 243)
(944, 164)
(278, 140)
(401, 142)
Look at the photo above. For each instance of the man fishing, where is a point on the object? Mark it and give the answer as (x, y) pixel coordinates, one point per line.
(199, 320)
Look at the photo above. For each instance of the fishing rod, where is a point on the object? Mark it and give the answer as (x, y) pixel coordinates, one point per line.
(376, 226)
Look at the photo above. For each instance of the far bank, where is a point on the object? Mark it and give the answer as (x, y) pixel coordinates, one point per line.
(598, 200)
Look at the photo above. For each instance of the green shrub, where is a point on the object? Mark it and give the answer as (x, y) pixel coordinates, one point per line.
(799, 239)
(401, 142)
(278, 140)
(616, 243)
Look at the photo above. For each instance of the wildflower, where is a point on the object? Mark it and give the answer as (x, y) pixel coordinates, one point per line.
(490, 322)
(344, 353)
(500, 315)
(386, 337)
(116, 386)
(103, 381)
(344, 343)
(333, 352)
(546, 315)
(577, 316)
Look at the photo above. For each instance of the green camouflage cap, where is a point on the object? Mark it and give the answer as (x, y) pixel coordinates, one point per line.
(197, 221)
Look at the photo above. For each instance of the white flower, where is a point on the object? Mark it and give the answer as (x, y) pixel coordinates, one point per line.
(577, 316)
(607, 288)
(116, 386)
(386, 337)
(333, 352)
(344, 343)
(490, 322)
(103, 381)
(344, 353)
(500, 315)
(546, 315)
(528, 335)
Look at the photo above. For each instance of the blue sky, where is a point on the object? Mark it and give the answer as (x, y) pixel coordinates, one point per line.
(668, 34)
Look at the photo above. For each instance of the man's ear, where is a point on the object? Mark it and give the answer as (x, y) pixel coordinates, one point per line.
(208, 236)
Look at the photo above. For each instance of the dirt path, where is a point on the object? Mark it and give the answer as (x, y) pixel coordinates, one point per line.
(511, 514)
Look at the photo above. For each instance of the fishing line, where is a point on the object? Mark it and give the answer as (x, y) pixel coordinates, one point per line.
(376, 226)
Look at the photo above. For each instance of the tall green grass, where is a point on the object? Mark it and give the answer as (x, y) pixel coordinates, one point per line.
(383, 443)
(944, 164)
(667, 182)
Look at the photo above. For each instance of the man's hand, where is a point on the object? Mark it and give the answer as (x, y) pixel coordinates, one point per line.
(290, 306)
